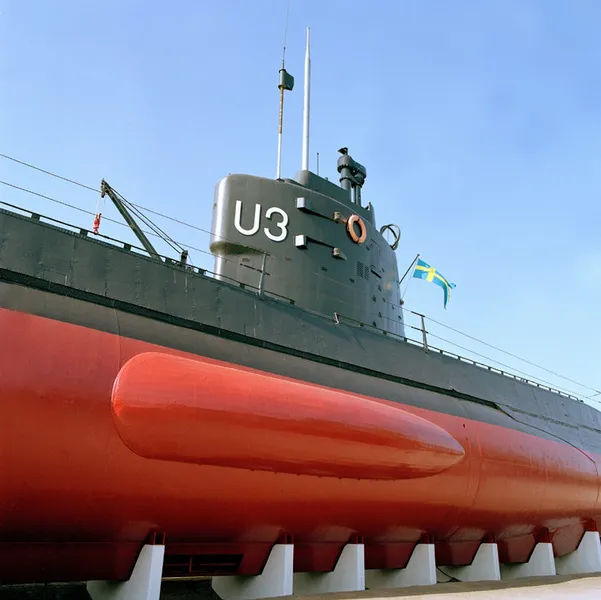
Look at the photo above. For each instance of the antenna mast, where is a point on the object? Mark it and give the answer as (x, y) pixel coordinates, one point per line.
(305, 165)
(286, 83)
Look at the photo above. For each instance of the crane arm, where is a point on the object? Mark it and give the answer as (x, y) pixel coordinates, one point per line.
(106, 189)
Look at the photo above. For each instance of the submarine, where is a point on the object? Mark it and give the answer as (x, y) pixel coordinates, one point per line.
(274, 399)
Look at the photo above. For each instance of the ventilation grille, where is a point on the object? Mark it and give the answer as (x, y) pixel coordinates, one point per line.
(363, 270)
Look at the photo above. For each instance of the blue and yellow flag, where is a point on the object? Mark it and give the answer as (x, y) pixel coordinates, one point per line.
(424, 271)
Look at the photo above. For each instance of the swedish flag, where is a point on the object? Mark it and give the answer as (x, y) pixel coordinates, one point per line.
(424, 271)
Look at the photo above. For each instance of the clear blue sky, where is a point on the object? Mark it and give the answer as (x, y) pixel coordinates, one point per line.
(479, 124)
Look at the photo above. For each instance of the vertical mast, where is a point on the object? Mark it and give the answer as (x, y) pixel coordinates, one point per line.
(286, 83)
(305, 164)
(281, 127)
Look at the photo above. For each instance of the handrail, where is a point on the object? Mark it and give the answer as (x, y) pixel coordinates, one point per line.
(262, 292)
(429, 347)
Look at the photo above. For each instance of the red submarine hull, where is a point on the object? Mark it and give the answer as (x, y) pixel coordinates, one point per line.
(108, 441)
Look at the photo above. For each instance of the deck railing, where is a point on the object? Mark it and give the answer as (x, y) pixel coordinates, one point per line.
(421, 330)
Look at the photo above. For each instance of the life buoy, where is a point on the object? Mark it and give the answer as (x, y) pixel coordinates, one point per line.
(350, 227)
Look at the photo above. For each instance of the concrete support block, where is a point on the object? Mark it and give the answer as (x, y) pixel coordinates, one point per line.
(144, 583)
(420, 570)
(541, 563)
(585, 559)
(484, 567)
(348, 575)
(275, 580)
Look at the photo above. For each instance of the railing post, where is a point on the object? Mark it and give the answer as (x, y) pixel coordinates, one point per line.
(262, 278)
(424, 338)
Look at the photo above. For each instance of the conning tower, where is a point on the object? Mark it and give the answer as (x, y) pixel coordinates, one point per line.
(310, 241)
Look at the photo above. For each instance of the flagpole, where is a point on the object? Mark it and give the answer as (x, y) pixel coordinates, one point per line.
(409, 269)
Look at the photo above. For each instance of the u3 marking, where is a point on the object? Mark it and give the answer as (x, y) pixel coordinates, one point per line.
(281, 225)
